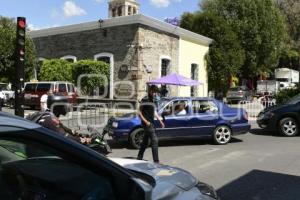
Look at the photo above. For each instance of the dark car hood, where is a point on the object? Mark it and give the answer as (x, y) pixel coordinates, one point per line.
(273, 108)
(169, 181)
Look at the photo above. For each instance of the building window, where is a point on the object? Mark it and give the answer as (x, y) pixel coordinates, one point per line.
(134, 10)
(129, 10)
(164, 71)
(120, 11)
(69, 58)
(164, 67)
(194, 76)
(109, 59)
(113, 12)
(105, 59)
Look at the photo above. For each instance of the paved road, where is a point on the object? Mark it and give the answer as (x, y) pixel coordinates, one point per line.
(255, 166)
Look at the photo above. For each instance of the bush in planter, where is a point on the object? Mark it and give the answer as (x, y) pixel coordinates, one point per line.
(90, 83)
(285, 95)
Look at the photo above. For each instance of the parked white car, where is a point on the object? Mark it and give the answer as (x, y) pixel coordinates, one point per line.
(6, 94)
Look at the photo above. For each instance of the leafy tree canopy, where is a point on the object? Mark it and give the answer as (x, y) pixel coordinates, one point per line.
(225, 56)
(259, 26)
(7, 48)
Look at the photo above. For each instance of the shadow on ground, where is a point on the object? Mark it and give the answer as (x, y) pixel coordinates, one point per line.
(262, 185)
(169, 143)
(259, 131)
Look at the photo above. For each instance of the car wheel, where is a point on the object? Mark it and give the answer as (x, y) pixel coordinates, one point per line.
(136, 138)
(288, 127)
(222, 135)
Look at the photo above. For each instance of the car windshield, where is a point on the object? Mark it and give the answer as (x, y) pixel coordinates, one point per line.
(294, 100)
(236, 89)
(3, 86)
(161, 103)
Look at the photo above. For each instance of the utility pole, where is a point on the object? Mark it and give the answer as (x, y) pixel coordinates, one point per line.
(19, 66)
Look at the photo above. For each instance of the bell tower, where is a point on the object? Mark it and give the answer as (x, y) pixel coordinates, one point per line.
(118, 8)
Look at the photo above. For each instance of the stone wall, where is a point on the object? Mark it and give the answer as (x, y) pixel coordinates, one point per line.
(155, 46)
(84, 45)
(133, 46)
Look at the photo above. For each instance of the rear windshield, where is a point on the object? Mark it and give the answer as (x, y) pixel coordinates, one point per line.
(3, 87)
(236, 89)
(43, 87)
(30, 87)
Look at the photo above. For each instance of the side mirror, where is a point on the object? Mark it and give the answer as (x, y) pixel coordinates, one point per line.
(140, 190)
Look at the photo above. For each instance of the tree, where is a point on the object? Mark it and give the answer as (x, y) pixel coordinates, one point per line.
(7, 48)
(291, 55)
(259, 26)
(291, 11)
(89, 75)
(225, 56)
(56, 70)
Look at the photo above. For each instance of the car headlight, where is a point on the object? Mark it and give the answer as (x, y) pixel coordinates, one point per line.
(115, 125)
(207, 190)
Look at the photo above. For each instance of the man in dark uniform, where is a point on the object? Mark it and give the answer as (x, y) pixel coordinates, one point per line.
(147, 112)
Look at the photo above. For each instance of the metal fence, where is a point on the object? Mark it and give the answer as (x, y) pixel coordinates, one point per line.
(94, 114)
(254, 107)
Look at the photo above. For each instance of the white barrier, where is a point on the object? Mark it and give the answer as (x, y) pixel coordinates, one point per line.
(254, 107)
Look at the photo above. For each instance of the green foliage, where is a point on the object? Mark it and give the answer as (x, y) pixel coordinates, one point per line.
(259, 26)
(291, 11)
(225, 56)
(284, 95)
(56, 70)
(7, 48)
(290, 59)
(89, 70)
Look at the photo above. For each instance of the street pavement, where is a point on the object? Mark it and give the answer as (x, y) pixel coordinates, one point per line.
(255, 166)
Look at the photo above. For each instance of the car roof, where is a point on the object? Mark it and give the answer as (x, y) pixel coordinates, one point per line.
(192, 98)
(10, 120)
(48, 82)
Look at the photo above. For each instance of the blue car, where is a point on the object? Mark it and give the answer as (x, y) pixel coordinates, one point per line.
(185, 118)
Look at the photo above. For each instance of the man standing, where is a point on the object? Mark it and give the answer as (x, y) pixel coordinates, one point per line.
(147, 112)
(44, 99)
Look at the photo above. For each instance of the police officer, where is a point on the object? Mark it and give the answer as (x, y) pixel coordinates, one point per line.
(147, 112)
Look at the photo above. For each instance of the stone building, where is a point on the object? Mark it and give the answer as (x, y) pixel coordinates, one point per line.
(137, 47)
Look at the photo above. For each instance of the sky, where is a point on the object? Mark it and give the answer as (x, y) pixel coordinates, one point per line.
(50, 13)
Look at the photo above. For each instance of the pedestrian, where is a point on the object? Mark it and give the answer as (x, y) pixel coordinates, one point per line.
(44, 100)
(147, 112)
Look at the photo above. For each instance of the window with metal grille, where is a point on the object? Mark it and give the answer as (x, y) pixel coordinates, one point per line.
(194, 76)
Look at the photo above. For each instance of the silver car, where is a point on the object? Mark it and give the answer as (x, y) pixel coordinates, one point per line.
(237, 94)
(37, 163)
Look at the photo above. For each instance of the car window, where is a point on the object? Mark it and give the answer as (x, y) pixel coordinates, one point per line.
(176, 108)
(204, 106)
(3, 87)
(70, 88)
(43, 87)
(62, 88)
(29, 170)
(30, 87)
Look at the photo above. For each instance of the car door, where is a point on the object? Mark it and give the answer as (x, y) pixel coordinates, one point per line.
(204, 118)
(43, 167)
(175, 122)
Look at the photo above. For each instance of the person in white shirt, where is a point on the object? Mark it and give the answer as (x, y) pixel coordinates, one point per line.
(181, 109)
(44, 99)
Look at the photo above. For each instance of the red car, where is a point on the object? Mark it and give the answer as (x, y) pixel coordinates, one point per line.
(34, 90)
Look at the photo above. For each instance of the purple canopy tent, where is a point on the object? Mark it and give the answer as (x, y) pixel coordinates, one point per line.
(174, 79)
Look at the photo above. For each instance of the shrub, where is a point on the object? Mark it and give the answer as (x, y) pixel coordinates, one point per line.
(90, 67)
(56, 70)
(284, 95)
